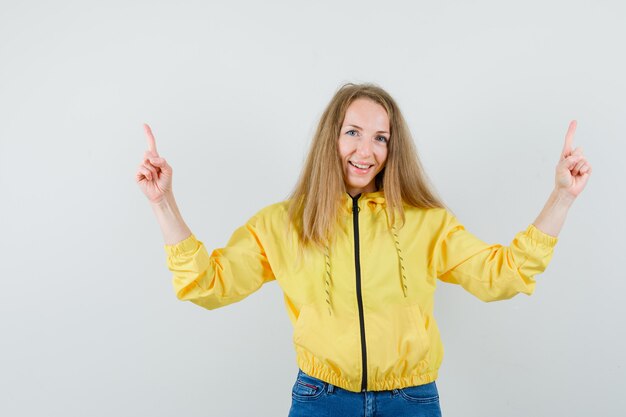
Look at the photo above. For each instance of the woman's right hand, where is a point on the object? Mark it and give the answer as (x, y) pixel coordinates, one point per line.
(154, 175)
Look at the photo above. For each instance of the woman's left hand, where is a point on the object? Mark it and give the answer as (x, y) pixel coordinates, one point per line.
(573, 169)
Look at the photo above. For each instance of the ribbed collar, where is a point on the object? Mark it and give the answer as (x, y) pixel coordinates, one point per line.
(374, 200)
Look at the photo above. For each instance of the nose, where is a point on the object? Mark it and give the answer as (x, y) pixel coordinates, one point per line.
(364, 147)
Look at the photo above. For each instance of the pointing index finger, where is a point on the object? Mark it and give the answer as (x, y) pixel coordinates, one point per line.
(151, 141)
(569, 138)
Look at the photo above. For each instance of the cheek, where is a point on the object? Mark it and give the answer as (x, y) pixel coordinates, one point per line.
(344, 148)
(381, 156)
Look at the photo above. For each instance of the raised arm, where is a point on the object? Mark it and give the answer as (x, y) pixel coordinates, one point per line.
(495, 272)
(572, 172)
(154, 176)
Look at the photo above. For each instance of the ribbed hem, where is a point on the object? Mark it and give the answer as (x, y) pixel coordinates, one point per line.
(541, 237)
(189, 244)
(409, 381)
(318, 370)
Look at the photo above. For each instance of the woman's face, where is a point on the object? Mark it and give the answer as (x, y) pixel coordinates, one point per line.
(363, 145)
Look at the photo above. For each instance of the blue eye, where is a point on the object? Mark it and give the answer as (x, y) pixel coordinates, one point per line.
(350, 132)
(382, 139)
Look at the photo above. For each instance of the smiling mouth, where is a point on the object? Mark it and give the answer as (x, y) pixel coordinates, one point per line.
(359, 166)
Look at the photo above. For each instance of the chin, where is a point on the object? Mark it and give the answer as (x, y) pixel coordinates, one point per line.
(362, 186)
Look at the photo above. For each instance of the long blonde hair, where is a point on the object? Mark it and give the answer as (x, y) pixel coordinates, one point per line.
(316, 199)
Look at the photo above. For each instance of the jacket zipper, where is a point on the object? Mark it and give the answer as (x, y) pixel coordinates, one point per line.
(359, 295)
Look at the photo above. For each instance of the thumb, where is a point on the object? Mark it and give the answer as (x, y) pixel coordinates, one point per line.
(584, 178)
(571, 161)
(161, 163)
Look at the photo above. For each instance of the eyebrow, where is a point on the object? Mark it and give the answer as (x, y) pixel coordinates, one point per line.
(359, 127)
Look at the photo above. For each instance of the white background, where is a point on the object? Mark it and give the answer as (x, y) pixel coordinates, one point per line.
(89, 324)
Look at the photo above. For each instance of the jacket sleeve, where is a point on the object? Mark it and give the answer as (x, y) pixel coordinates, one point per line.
(228, 275)
(492, 272)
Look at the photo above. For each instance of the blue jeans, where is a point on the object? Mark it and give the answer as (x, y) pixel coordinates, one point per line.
(312, 397)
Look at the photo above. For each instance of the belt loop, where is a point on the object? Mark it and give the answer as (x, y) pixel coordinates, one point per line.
(330, 388)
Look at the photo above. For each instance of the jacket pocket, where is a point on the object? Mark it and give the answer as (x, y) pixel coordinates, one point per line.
(329, 343)
(419, 326)
(416, 337)
(398, 343)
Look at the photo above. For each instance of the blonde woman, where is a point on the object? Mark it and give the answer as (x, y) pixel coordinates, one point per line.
(357, 250)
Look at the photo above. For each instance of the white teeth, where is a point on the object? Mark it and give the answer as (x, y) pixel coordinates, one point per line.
(360, 166)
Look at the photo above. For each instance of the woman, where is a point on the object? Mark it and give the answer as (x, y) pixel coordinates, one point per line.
(357, 249)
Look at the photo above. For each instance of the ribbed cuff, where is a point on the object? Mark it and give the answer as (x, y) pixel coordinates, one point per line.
(189, 244)
(541, 237)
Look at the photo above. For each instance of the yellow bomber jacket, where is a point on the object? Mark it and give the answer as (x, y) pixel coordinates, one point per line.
(362, 310)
